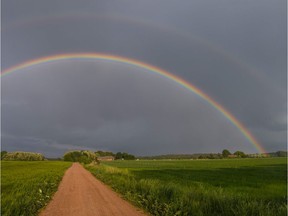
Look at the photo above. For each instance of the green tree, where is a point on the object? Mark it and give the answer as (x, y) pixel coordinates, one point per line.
(240, 154)
(124, 155)
(225, 153)
(281, 153)
(3, 153)
(118, 156)
(127, 156)
(23, 156)
(82, 156)
(211, 156)
(103, 153)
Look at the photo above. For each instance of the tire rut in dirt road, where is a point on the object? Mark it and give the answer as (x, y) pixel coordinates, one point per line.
(81, 194)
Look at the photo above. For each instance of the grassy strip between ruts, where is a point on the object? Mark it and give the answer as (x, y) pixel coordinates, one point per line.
(26, 186)
(212, 187)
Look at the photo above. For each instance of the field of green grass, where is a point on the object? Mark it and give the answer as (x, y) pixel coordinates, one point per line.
(200, 187)
(27, 186)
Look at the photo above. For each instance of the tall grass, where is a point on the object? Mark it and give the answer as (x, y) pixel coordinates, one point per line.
(230, 187)
(27, 187)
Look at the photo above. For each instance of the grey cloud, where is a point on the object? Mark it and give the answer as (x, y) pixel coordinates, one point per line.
(233, 51)
(111, 106)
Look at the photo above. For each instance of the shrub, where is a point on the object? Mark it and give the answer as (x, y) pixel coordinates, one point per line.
(82, 156)
(23, 156)
(124, 156)
(3, 153)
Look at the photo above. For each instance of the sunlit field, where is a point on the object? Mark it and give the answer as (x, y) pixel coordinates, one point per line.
(200, 187)
(26, 186)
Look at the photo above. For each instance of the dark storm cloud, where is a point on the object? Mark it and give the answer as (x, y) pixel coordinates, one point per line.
(109, 106)
(233, 51)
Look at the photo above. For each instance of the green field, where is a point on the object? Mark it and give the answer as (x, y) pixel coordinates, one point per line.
(200, 187)
(27, 187)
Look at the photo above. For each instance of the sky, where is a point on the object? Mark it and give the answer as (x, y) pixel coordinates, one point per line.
(233, 51)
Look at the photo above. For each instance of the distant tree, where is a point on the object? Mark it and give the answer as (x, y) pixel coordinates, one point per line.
(129, 157)
(100, 153)
(118, 156)
(201, 157)
(225, 153)
(23, 156)
(240, 154)
(124, 155)
(110, 154)
(281, 153)
(211, 156)
(103, 153)
(82, 156)
(3, 153)
(219, 156)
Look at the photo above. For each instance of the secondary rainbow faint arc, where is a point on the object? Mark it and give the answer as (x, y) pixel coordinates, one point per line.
(149, 67)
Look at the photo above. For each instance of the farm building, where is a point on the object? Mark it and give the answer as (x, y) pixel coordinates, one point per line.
(106, 158)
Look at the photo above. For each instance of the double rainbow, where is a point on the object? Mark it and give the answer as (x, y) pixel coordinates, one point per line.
(151, 68)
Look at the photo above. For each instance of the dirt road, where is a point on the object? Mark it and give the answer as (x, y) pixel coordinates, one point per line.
(81, 194)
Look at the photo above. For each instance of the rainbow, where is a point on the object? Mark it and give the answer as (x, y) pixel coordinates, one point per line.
(161, 72)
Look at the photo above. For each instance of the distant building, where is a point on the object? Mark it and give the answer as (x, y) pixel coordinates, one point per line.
(106, 158)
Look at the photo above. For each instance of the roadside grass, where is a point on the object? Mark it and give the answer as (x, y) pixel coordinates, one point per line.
(26, 186)
(202, 187)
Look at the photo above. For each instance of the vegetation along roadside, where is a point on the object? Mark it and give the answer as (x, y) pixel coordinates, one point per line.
(200, 187)
(27, 186)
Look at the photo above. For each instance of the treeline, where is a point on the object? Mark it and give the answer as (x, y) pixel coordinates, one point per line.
(278, 154)
(87, 157)
(117, 156)
(21, 156)
(225, 154)
(103, 153)
(124, 156)
(183, 156)
(82, 156)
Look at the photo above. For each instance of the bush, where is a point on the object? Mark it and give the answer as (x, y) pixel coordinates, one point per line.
(103, 153)
(3, 153)
(124, 156)
(23, 156)
(82, 156)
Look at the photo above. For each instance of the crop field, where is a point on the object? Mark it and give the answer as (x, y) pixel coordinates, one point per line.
(27, 187)
(200, 187)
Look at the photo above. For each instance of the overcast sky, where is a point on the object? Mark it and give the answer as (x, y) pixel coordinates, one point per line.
(234, 51)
